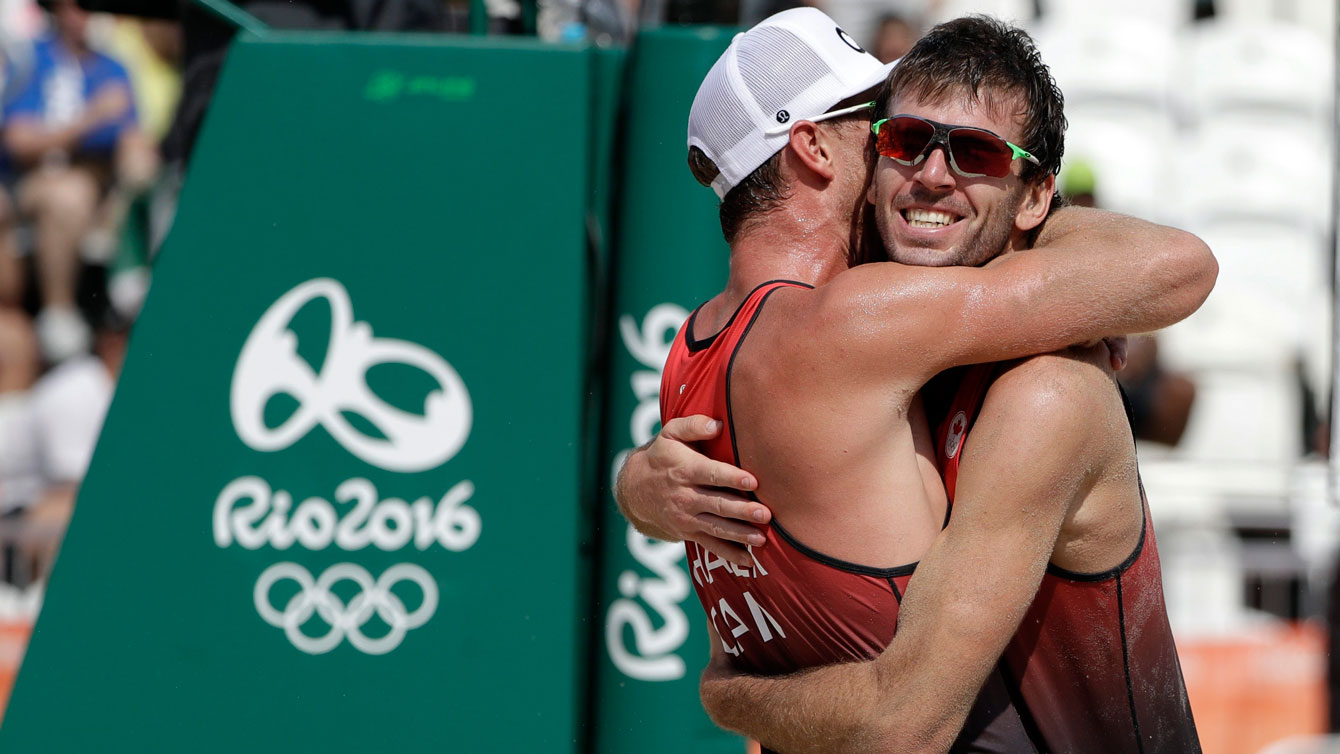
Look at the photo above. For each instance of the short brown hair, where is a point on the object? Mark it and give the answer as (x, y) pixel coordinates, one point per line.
(978, 54)
(758, 194)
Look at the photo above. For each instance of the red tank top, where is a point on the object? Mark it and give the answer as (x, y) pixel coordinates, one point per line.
(1093, 662)
(796, 607)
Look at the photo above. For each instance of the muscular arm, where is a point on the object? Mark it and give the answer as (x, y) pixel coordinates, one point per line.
(1030, 458)
(1093, 274)
(670, 492)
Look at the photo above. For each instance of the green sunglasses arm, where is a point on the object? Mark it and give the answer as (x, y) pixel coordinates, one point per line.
(1021, 152)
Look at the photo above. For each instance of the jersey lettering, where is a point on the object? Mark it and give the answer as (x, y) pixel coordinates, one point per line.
(762, 618)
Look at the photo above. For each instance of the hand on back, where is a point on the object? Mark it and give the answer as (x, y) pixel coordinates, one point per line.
(679, 491)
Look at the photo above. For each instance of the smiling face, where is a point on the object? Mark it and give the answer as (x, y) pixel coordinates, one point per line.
(929, 215)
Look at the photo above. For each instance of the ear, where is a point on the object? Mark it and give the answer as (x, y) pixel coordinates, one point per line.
(1037, 201)
(813, 148)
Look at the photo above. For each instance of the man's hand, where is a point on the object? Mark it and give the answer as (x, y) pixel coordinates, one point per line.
(670, 491)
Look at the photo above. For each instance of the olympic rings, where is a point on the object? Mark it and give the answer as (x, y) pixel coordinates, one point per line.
(345, 621)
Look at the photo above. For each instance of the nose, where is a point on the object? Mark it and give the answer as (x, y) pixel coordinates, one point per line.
(935, 173)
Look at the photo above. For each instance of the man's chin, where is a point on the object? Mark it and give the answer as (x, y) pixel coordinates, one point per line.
(924, 256)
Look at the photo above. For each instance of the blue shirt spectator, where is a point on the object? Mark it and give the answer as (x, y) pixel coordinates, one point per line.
(62, 84)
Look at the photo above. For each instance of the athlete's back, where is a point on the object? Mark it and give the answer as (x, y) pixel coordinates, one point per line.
(835, 460)
(799, 605)
(834, 465)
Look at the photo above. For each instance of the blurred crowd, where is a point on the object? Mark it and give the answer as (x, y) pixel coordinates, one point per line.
(86, 101)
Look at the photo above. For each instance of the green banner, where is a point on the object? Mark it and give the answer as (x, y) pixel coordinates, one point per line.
(671, 257)
(335, 506)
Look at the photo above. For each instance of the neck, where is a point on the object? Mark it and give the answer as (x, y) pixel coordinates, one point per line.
(788, 244)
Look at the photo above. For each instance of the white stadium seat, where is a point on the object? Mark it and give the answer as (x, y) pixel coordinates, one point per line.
(1269, 302)
(1317, 16)
(1166, 13)
(1268, 66)
(1019, 12)
(1130, 154)
(1259, 168)
(1202, 577)
(1129, 61)
(1248, 416)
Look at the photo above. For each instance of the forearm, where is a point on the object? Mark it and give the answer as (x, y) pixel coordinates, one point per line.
(1094, 276)
(827, 710)
(1067, 293)
(629, 503)
(1172, 271)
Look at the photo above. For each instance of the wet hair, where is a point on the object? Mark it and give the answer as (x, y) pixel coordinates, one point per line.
(758, 194)
(991, 61)
(763, 190)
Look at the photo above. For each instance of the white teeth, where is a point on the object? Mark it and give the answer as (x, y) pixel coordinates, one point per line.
(925, 218)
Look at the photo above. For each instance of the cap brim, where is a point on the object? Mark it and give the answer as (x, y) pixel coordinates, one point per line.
(876, 78)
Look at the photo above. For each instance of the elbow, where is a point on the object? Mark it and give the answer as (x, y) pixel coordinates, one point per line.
(716, 704)
(893, 738)
(1203, 268)
(1193, 271)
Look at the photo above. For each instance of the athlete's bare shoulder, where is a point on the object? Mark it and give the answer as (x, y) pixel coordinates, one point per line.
(1074, 379)
(1063, 412)
(843, 336)
(1071, 395)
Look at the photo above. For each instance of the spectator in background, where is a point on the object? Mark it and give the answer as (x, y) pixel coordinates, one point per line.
(14, 67)
(71, 132)
(69, 404)
(11, 270)
(150, 51)
(894, 36)
(20, 477)
(1078, 183)
(20, 466)
(1159, 401)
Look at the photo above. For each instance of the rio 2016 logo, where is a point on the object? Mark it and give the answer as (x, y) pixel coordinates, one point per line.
(270, 366)
(250, 514)
(653, 656)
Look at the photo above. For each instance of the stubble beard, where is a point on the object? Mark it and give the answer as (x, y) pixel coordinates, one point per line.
(986, 244)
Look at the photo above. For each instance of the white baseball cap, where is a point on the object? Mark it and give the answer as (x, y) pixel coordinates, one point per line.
(792, 66)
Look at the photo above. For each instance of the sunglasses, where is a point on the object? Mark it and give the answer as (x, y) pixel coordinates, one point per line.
(972, 152)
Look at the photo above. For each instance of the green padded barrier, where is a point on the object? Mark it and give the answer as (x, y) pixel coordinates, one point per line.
(671, 256)
(336, 503)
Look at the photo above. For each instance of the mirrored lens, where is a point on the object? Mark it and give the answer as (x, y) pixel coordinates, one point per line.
(980, 152)
(904, 138)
